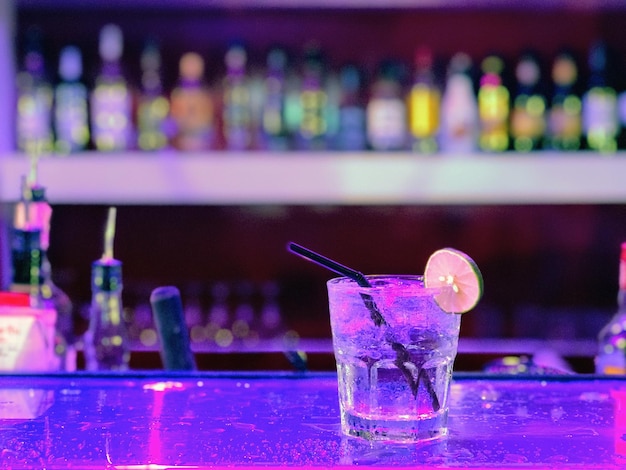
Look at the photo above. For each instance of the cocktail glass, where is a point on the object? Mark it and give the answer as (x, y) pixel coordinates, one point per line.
(394, 348)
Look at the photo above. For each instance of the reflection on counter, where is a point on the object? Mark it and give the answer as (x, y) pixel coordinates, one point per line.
(24, 404)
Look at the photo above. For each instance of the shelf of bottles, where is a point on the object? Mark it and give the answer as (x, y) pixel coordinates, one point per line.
(299, 131)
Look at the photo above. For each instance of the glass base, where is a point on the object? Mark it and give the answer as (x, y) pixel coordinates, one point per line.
(424, 429)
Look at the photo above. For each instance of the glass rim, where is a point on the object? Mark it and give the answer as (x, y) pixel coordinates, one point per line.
(413, 277)
(413, 282)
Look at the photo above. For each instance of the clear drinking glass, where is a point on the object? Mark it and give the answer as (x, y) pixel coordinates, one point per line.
(395, 350)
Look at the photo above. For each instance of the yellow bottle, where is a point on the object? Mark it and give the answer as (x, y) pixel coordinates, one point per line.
(424, 102)
(493, 107)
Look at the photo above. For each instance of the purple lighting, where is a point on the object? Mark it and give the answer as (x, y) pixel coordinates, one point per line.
(204, 420)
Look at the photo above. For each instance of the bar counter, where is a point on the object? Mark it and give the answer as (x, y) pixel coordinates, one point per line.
(155, 420)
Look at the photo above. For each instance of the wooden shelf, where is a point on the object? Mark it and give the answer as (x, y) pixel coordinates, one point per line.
(322, 178)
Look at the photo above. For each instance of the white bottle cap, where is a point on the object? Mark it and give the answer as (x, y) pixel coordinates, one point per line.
(70, 64)
(111, 43)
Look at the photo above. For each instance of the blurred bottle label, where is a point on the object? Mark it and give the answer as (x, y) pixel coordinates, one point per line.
(565, 124)
(34, 116)
(493, 108)
(111, 110)
(386, 123)
(71, 117)
(152, 122)
(600, 119)
(352, 128)
(528, 123)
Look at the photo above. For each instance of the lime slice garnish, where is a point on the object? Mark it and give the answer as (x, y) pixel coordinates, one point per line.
(458, 277)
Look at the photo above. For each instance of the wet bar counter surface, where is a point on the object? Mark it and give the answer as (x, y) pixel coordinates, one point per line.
(201, 420)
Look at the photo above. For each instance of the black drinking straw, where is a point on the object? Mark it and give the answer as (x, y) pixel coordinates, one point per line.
(402, 355)
(338, 268)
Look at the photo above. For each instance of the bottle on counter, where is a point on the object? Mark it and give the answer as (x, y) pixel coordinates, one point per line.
(493, 107)
(33, 125)
(528, 113)
(459, 109)
(564, 120)
(106, 342)
(153, 108)
(33, 212)
(237, 106)
(27, 278)
(111, 107)
(193, 108)
(26, 275)
(599, 104)
(423, 104)
(71, 113)
(611, 356)
(386, 113)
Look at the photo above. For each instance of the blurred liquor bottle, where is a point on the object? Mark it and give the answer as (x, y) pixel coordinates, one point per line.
(350, 134)
(386, 113)
(153, 108)
(71, 110)
(621, 107)
(334, 96)
(459, 109)
(237, 106)
(111, 100)
(26, 278)
(274, 128)
(313, 129)
(493, 106)
(26, 265)
(106, 342)
(193, 312)
(611, 356)
(528, 114)
(271, 320)
(218, 321)
(34, 213)
(564, 121)
(599, 103)
(293, 103)
(193, 108)
(424, 103)
(34, 100)
(245, 322)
